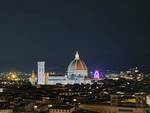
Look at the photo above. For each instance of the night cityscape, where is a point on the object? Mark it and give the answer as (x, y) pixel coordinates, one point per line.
(89, 56)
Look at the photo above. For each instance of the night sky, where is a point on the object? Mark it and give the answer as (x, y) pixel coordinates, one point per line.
(109, 34)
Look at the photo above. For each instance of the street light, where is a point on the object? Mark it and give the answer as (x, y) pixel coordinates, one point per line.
(74, 100)
(50, 105)
(75, 103)
(35, 107)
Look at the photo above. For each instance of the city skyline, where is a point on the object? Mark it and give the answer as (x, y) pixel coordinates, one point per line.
(82, 56)
(108, 35)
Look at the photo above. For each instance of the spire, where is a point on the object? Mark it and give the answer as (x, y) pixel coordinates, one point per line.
(77, 56)
(33, 73)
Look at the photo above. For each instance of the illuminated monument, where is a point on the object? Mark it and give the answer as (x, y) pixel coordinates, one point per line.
(77, 67)
(41, 73)
(77, 73)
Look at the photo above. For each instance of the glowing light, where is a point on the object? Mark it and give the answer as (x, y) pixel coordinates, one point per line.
(130, 100)
(13, 76)
(8, 77)
(35, 107)
(96, 74)
(50, 105)
(74, 99)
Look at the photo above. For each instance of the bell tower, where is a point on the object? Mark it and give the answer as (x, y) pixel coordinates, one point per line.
(41, 72)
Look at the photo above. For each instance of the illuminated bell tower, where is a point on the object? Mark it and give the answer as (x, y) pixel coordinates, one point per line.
(41, 73)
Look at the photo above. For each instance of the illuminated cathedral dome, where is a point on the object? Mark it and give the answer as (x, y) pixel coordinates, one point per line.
(77, 67)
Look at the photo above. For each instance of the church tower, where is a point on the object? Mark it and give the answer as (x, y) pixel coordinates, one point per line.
(41, 73)
(33, 78)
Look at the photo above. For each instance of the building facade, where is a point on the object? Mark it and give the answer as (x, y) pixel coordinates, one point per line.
(121, 104)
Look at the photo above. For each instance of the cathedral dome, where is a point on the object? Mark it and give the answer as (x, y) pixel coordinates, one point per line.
(77, 67)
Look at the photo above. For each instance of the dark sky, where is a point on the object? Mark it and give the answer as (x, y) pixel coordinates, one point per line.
(109, 34)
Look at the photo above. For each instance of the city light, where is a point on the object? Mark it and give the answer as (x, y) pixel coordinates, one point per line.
(96, 75)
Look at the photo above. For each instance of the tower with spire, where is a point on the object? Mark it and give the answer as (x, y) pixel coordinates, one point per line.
(33, 78)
